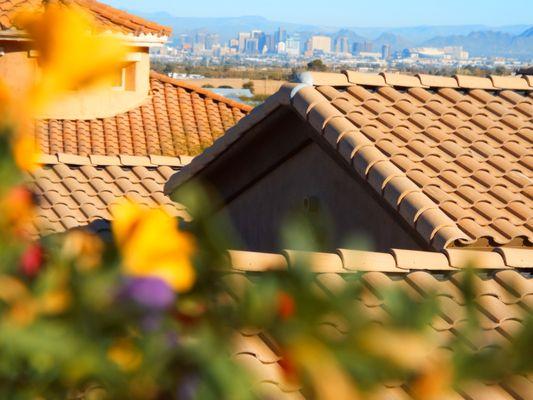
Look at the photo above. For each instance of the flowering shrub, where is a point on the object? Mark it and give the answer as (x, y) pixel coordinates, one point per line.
(151, 316)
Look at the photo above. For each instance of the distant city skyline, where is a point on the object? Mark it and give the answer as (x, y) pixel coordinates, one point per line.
(347, 13)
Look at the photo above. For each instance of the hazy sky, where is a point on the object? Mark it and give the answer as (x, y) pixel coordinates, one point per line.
(350, 12)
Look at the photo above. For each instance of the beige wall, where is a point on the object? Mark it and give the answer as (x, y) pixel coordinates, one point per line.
(17, 66)
(259, 212)
(19, 69)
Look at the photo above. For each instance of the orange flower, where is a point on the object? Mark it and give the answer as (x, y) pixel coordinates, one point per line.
(286, 305)
(18, 210)
(434, 382)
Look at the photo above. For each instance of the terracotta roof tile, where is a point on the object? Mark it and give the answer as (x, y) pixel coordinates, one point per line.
(498, 300)
(107, 18)
(76, 191)
(451, 155)
(155, 128)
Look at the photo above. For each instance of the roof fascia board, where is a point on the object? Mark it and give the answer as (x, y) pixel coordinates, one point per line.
(262, 149)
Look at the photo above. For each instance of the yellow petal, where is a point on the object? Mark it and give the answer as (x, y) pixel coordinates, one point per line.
(26, 152)
(71, 54)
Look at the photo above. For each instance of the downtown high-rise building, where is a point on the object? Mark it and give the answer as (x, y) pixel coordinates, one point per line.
(386, 51)
(243, 37)
(319, 44)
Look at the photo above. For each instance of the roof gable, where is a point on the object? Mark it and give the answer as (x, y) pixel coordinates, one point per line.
(452, 156)
(107, 17)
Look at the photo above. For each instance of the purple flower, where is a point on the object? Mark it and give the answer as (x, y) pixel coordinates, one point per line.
(152, 293)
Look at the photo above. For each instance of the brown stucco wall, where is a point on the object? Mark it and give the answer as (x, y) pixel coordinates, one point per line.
(259, 212)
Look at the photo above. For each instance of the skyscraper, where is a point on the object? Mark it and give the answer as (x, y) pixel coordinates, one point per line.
(386, 51)
(293, 46)
(243, 36)
(342, 45)
(319, 44)
(280, 36)
(362, 47)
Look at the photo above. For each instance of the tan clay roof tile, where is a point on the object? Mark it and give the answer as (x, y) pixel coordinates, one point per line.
(451, 154)
(499, 299)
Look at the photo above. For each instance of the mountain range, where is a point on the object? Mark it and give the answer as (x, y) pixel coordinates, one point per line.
(478, 40)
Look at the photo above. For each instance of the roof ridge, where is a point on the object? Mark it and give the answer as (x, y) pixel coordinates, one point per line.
(118, 160)
(349, 78)
(395, 261)
(186, 85)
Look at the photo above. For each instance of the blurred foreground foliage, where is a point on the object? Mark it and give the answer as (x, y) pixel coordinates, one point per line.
(152, 315)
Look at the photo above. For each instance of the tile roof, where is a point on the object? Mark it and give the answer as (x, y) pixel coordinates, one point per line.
(76, 191)
(452, 155)
(108, 18)
(178, 119)
(504, 294)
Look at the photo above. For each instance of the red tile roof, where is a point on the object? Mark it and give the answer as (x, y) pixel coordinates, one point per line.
(177, 119)
(108, 18)
(504, 289)
(453, 156)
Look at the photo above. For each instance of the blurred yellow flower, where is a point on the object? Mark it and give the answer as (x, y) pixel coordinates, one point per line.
(72, 54)
(329, 379)
(55, 302)
(26, 152)
(125, 355)
(12, 289)
(84, 249)
(5, 102)
(151, 245)
(405, 349)
(23, 312)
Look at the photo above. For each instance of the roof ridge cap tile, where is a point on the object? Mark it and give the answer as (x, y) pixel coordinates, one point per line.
(492, 82)
(464, 258)
(186, 85)
(316, 78)
(516, 257)
(119, 160)
(402, 261)
(421, 260)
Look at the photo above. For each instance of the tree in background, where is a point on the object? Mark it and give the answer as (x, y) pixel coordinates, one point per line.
(249, 85)
(317, 65)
